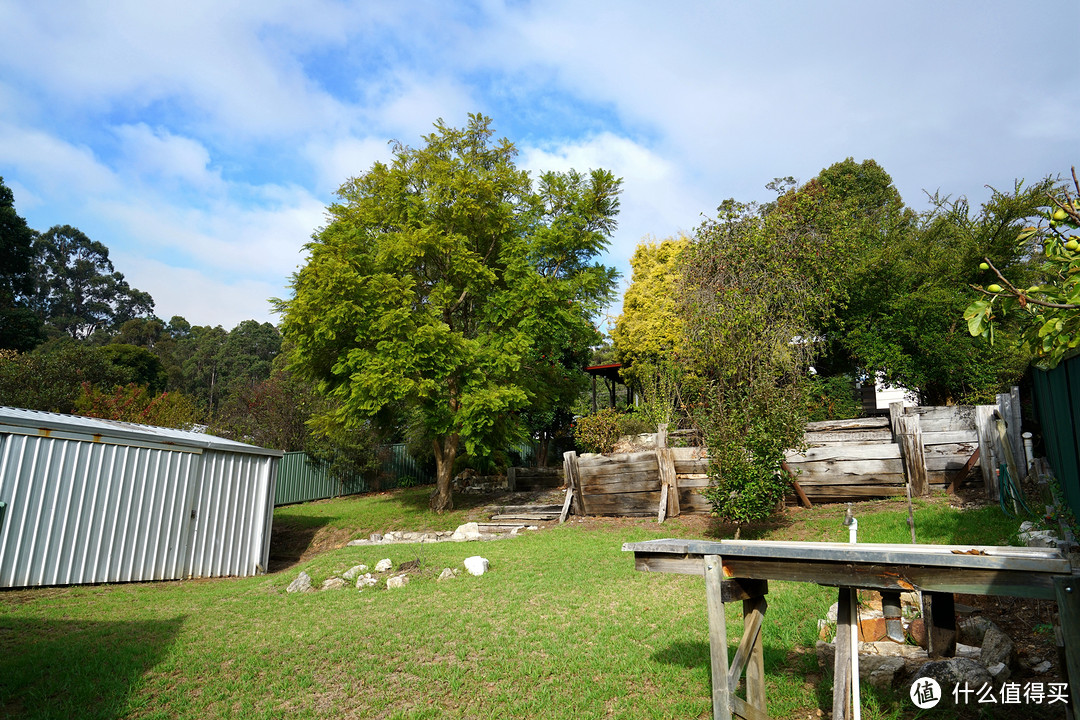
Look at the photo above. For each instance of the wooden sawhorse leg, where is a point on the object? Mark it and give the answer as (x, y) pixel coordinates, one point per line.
(749, 655)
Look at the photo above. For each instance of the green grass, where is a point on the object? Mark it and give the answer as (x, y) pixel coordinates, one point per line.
(561, 627)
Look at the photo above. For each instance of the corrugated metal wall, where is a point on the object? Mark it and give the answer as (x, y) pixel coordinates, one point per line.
(87, 512)
(1057, 401)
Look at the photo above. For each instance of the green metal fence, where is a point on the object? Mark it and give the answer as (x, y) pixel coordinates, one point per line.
(302, 478)
(1057, 402)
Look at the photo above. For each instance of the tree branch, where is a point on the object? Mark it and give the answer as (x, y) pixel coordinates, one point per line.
(1020, 294)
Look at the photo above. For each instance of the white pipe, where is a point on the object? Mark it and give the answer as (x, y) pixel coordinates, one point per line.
(853, 531)
(1029, 450)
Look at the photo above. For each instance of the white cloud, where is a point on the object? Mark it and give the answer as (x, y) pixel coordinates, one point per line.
(336, 159)
(200, 299)
(159, 153)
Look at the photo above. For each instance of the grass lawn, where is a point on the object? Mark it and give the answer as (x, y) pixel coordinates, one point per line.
(561, 627)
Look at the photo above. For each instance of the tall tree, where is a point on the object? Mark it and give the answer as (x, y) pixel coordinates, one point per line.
(441, 281)
(77, 289)
(20, 328)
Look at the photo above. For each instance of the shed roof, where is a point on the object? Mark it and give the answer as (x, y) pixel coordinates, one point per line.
(36, 422)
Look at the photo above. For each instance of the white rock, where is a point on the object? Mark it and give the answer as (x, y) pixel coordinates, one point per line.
(397, 581)
(332, 583)
(447, 574)
(354, 572)
(1000, 672)
(302, 583)
(1042, 667)
(476, 565)
(365, 580)
(466, 532)
(383, 565)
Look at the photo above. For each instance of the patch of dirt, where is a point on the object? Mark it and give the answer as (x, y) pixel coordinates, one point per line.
(291, 545)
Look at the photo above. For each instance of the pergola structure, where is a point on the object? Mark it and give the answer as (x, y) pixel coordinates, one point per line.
(610, 375)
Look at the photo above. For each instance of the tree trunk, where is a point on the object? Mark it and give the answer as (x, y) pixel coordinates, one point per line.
(445, 453)
(542, 450)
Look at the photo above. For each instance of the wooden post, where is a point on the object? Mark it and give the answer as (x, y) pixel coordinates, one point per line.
(669, 485)
(939, 614)
(714, 600)
(841, 694)
(594, 408)
(566, 505)
(1067, 592)
(793, 479)
(753, 616)
(511, 479)
(573, 479)
(911, 450)
(984, 427)
(661, 435)
(896, 411)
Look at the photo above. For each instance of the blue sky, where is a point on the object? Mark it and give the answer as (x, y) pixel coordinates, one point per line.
(202, 140)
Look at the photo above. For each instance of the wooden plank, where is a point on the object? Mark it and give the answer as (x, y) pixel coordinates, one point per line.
(794, 480)
(661, 513)
(534, 517)
(566, 505)
(868, 451)
(692, 481)
(687, 454)
(693, 502)
(849, 436)
(984, 423)
(808, 481)
(962, 474)
(638, 482)
(661, 435)
(592, 460)
(835, 493)
(842, 661)
(573, 479)
(749, 655)
(602, 473)
(743, 709)
(666, 464)
(621, 504)
(714, 580)
(691, 467)
(911, 450)
(511, 479)
(1067, 594)
(664, 563)
(950, 437)
(849, 467)
(850, 424)
(939, 614)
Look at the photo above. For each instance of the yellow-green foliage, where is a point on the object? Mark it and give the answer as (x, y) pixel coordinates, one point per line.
(649, 327)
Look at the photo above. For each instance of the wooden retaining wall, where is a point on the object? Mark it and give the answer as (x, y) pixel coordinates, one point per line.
(929, 447)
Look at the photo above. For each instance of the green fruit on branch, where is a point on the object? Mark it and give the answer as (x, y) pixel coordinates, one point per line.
(1060, 214)
(1072, 245)
(995, 288)
(984, 266)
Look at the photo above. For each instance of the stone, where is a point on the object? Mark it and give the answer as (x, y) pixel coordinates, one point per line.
(833, 610)
(333, 583)
(1000, 672)
(917, 632)
(397, 581)
(354, 572)
(997, 648)
(871, 629)
(355, 543)
(968, 651)
(1042, 667)
(885, 674)
(952, 672)
(468, 531)
(972, 630)
(383, 565)
(302, 583)
(375, 537)
(365, 580)
(476, 565)
(447, 574)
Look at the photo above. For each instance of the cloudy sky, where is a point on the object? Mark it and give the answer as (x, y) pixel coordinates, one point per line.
(201, 140)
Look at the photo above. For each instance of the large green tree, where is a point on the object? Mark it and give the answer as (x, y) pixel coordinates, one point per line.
(443, 283)
(77, 290)
(20, 328)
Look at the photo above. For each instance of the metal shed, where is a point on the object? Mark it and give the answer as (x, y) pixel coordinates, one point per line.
(84, 500)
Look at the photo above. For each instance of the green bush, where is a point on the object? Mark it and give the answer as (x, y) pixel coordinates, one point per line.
(598, 433)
